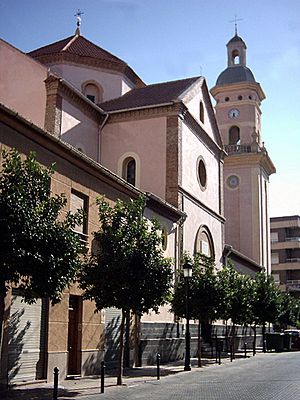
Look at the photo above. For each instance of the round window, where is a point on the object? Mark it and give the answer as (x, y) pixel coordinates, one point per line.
(233, 181)
(202, 176)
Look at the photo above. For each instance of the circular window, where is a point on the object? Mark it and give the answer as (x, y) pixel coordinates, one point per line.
(226, 98)
(240, 97)
(202, 176)
(233, 181)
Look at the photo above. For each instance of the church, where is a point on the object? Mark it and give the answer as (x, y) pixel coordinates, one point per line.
(204, 169)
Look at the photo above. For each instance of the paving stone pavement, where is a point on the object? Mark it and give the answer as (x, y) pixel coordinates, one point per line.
(268, 376)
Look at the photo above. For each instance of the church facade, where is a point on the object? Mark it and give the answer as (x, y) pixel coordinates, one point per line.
(205, 172)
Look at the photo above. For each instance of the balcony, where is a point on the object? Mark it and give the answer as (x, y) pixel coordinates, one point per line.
(292, 260)
(292, 239)
(293, 285)
(244, 148)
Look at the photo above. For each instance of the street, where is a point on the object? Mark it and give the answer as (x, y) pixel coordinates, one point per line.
(273, 376)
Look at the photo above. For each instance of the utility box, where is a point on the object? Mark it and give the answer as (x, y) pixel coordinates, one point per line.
(275, 341)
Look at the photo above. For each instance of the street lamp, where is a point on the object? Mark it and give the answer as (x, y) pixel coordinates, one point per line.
(187, 273)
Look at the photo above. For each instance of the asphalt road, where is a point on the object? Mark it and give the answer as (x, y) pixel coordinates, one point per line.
(273, 376)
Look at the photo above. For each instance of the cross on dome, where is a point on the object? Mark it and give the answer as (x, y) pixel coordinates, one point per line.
(78, 23)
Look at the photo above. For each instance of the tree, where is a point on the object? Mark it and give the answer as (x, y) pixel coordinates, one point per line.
(129, 271)
(235, 293)
(265, 302)
(203, 293)
(38, 253)
(289, 311)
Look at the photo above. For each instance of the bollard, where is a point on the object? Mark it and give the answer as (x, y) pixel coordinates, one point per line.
(254, 349)
(219, 353)
(265, 346)
(231, 352)
(55, 386)
(158, 366)
(245, 349)
(102, 376)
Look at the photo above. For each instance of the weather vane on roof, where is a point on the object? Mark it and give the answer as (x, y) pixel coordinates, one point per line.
(235, 20)
(78, 17)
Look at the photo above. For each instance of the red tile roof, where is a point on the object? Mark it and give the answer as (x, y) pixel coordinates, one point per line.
(77, 45)
(150, 95)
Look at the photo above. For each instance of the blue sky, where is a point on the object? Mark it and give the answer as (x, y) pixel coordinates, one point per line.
(172, 39)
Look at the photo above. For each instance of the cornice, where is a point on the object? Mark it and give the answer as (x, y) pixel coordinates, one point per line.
(261, 159)
(90, 61)
(200, 204)
(144, 112)
(237, 87)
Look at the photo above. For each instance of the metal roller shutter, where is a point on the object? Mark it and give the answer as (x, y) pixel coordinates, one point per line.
(113, 317)
(26, 339)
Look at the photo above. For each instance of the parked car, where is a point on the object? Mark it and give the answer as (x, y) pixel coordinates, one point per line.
(295, 337)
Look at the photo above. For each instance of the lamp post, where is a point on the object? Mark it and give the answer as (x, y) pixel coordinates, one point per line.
(187, 273)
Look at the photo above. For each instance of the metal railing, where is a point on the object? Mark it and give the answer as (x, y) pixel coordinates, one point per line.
(292, 260)
(292, 239)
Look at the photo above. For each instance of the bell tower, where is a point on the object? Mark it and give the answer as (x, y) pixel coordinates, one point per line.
(247, 166)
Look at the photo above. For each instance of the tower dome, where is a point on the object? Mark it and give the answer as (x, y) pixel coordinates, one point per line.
(236, 70)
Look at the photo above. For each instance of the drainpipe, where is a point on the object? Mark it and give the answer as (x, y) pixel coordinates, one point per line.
(99, 137)
(226, 253)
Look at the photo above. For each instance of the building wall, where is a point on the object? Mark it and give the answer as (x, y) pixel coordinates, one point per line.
(114, 84)
(285, 236)
(145, 139)
(192, 149)
(22, 86)
(79, 130)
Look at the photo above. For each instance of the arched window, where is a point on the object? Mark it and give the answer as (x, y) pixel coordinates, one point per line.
(129, 170)
(234, 135)
(93, 91)
(235, 57)
(204, 242)
(201, 112)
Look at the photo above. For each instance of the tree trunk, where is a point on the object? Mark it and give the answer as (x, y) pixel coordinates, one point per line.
(233, 341)
(127, 341)
(264, 336)
(3, 379)
(199, 344)
(137, 355)
(254, 340)
(121, 349)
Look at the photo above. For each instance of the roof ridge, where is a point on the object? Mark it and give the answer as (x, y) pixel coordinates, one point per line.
(102, 49)
(70, 42)
(51, 44)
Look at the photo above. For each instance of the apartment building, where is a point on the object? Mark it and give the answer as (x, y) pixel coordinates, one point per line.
(285, 246)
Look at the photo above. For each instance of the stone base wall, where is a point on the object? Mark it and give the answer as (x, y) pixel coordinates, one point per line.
(168, 340)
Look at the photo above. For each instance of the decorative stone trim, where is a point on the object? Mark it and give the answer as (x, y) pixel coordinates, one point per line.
(143, 113)
(108, 65)
(173, 160)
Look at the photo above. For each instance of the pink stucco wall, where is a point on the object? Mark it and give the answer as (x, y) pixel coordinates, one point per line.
(113, 84)
(79, 130)
(22, 86)
(144, 138)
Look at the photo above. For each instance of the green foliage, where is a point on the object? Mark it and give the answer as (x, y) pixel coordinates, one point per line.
(37, 252)
(129, 272)
(289, 311)
(266, 299)
(235, 294)
(203, 290)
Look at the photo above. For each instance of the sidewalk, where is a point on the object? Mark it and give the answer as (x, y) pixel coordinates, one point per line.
(88, 386)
